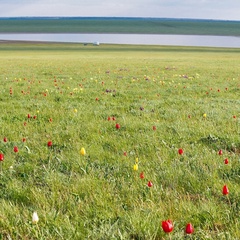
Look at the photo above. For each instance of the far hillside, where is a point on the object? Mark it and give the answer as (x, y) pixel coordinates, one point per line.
(120, 25)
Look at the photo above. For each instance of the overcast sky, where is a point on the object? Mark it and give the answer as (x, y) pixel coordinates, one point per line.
(200, 9)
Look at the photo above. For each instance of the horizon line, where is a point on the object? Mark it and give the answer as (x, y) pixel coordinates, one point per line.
(58, 17)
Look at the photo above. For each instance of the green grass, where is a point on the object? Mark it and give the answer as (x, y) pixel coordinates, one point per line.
(120, 25)
(99, 195)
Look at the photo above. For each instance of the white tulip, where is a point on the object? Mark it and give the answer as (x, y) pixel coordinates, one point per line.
(35, 218)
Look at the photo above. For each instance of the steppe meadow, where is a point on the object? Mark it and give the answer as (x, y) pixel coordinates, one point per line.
(119, 142)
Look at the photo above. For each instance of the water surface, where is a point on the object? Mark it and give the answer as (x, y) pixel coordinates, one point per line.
(145, 39)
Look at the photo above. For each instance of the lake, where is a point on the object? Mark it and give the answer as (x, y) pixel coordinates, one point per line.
(140, 39)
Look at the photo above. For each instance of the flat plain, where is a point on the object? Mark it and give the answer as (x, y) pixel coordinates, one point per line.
(134, 110)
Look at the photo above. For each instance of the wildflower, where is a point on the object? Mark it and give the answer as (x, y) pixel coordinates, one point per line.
(83, 151)
(35, 218)
(167, 226)
(135, 167)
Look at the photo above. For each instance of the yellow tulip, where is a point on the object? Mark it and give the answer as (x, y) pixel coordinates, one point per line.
(136, 160)
(135, 167)
(204, 115)
(83, 151)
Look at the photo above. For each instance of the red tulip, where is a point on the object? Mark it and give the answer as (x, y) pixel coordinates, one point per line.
(117, 126)
(150, 184)
(15, 149)
(109, 118)
(154, 128)
(1, 157)
(189, 229)
(167, 226)
(5, 139)
(226, 161)
(225, 190)
(220, 152)
(180, 151)
(125, 154)
(49, 143)
(29, 116)
(142, 175)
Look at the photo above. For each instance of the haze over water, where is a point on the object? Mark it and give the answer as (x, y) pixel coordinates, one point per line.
(140, 39)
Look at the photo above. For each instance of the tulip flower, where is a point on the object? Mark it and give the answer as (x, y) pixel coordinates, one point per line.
(141, 175)
(15, 149)
(226, 161)
(83, 151)
(204, 115)
(189, 228)
(220, 152)
(167, 226)
(1, 157)
(35, 218)
(150, 184)
(49, 143)
(180, 151)
(225, 190)
(135, 167)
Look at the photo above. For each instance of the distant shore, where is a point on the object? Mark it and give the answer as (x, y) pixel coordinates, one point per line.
(120, 26)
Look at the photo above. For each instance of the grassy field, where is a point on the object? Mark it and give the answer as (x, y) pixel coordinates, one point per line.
(59, 98)
(120, 25)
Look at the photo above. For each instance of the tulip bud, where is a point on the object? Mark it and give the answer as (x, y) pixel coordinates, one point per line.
(150, 184)
(35, 218)
(135, 167)
(141, 175)
(180, 151)
(167, 226)
(83, 151)
(15, 149)
(189, 229)
(225, 190)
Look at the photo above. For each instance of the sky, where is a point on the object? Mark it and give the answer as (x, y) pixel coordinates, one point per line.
(196, 9)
